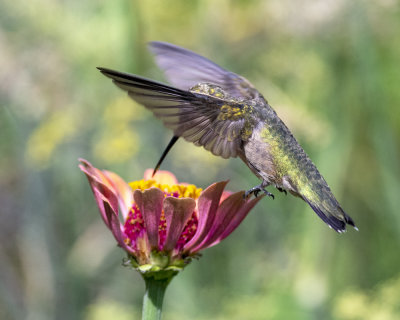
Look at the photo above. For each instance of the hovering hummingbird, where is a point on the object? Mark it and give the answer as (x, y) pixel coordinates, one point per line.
(224, 113)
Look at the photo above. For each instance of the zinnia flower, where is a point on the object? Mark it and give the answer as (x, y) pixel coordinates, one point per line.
(161, 224)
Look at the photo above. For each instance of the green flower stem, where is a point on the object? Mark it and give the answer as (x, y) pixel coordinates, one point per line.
(153, 298)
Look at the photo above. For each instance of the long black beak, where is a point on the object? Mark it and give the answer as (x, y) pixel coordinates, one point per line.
(164, 154)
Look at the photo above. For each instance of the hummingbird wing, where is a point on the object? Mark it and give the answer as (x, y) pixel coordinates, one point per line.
(201, 119)
(184, 69)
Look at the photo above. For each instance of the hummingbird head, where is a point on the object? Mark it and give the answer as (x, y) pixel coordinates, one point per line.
(209, 90)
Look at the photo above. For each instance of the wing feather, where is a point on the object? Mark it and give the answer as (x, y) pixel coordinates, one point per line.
(193, 116)
(184, 69)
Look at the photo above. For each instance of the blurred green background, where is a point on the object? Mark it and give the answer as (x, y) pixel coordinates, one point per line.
(330, 69)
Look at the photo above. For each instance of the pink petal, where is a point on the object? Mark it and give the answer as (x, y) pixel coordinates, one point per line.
(101, 188)
(207, 205)
(237, 219)
(150, 203)
(115, 225)
(107, 202)
(162, 177)
(225, 195)
(177, 212)
(100, 199)
(226, 219)
(95, 173)
(123, 190)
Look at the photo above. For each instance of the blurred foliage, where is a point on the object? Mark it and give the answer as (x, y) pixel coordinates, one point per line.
(379, 303)
(330, 69)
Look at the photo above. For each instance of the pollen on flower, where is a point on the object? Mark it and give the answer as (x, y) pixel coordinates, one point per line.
(134, 224)
(177, 190)
(162, 231)
(142, 184)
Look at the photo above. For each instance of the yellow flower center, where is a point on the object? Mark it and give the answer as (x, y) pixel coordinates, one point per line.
(177, 190)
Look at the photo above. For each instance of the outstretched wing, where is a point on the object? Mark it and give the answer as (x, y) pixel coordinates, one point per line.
(184, 69)
(201, 119)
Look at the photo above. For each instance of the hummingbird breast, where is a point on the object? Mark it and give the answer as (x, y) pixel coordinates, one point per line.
(258, 156)
(274, 155)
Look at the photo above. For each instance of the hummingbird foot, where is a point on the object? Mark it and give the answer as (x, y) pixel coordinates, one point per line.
(256, 190)
(282, 190)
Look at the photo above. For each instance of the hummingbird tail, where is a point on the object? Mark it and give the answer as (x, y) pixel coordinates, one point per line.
(331, 219)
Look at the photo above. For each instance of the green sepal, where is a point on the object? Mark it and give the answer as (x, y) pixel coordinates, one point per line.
(161, 265)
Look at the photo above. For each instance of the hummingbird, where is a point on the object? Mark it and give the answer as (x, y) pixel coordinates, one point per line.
(223, 112)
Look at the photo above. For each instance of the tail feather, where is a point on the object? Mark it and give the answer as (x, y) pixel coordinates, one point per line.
(336, 222)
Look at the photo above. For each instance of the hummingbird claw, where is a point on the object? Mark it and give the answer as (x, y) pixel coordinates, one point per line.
(282, 190)
(269, 194)
(256, 190)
